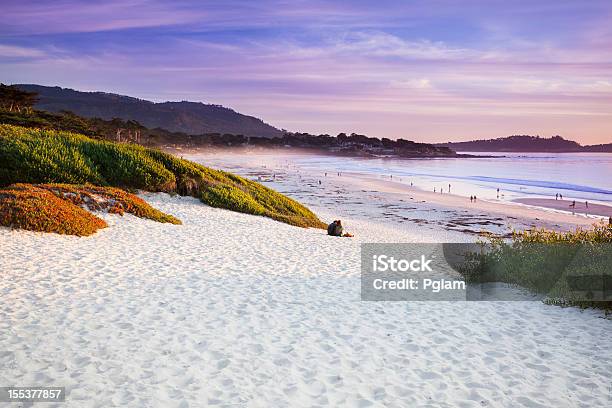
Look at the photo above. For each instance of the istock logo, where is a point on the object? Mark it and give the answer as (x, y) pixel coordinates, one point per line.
(384, 263)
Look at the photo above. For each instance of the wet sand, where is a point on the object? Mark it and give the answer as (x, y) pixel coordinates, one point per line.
(564, 205)
(538, 212)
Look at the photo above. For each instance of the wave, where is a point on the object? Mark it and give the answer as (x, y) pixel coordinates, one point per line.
(541, 183)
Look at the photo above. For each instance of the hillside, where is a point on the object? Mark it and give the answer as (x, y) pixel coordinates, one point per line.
(600, 148)
(525, 143)
(185, 117)
(118, 130)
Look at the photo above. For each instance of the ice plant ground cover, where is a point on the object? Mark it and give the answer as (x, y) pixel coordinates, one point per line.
(61, 208)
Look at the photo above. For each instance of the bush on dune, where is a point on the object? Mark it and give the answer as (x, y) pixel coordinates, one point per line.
(47, 156)
(37, 209)
(114, 200)
(60, 208)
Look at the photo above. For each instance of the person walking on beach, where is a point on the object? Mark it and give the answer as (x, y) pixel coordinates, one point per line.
(434, 189)
(573, 204)
(557, 196)
(471, 199)
(449, 186)
(560, 196)
(498, 192)
(474, 198)
(586, 204)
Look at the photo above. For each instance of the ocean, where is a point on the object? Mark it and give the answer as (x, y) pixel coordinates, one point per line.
(580, 176)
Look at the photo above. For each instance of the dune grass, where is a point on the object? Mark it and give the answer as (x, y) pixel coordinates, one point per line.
(36, 156)
(569, 268)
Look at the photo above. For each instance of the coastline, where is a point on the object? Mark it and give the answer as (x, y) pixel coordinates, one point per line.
(538, 209)
(239, 309)
(392, 202)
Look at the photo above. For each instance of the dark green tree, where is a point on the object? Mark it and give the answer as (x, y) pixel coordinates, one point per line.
(13, 99)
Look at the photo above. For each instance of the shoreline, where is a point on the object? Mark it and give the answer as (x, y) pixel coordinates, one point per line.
(536, 209)
(397, 204)
(594, 209)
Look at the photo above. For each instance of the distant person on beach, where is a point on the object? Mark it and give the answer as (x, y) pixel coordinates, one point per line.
(474, 198)
(319, 182)
(471, 198)
(560, 196)
(557, 196)
(573, 204)
(434, 189)
(498, 192)
(586, 204)
(449, 186)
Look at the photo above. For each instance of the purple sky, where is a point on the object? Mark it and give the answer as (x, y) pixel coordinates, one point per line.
(434, 70)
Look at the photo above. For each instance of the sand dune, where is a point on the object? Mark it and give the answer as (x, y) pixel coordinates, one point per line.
(237, 310)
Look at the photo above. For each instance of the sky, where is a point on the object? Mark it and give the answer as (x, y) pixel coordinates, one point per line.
(431, 71)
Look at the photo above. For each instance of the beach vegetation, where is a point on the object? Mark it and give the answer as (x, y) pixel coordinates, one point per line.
(13, 99)
(37, 209)
(42, 156)
(569, 268)
(63, 208)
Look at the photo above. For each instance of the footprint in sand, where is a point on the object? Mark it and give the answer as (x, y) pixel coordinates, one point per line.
(222, 364)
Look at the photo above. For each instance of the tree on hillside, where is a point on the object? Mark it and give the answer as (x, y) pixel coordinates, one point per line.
(13, 99)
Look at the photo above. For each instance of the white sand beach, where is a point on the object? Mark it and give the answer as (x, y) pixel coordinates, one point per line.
(234, 310)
